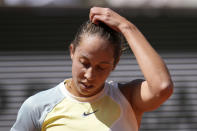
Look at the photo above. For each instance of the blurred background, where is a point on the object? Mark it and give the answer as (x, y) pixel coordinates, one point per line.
(34, 40)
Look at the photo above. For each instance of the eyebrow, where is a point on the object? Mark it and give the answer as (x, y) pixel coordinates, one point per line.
(103, 62)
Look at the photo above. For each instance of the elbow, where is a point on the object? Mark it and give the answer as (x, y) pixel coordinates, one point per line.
(166, 88)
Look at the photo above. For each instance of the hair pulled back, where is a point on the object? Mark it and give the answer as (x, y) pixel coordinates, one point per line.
(103, 31)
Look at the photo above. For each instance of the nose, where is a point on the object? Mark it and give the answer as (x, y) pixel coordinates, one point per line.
(89, 74)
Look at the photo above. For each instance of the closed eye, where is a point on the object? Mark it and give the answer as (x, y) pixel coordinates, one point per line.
(100, 68)
(84, 63)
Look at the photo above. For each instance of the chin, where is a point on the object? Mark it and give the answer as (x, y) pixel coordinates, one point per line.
(87, 93)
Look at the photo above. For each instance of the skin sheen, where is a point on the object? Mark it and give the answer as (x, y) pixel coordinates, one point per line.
(92, 62)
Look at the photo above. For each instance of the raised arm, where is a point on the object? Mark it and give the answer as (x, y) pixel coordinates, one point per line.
(157, 87)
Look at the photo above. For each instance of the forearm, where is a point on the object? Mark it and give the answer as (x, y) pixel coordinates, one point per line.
(151, 64)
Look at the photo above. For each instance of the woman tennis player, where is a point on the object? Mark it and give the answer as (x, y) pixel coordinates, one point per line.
(87, 102)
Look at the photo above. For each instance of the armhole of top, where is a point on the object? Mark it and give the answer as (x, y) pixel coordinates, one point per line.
(122, 96)
(125, 104)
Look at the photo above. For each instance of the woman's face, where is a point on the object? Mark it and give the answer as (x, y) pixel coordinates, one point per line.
(92, 62)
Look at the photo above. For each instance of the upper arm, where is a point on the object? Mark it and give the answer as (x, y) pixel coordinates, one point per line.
(26, 118)
(142, 97)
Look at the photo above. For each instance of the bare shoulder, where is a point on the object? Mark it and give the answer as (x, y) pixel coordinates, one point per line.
(131, 91)
(129, 87)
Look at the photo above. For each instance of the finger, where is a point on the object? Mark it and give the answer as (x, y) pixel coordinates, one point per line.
(93, 12)
(97, 18)
(96, 11)
(102, 18)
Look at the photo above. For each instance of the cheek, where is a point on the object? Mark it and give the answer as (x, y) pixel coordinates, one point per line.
(77, 70)
(102, 76)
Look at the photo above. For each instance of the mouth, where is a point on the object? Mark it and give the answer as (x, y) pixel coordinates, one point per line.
(86, 86)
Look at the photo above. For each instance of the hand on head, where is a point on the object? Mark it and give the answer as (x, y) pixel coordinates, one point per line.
(107, 16)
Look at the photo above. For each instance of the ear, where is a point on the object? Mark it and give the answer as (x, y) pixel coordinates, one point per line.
(71, 51)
